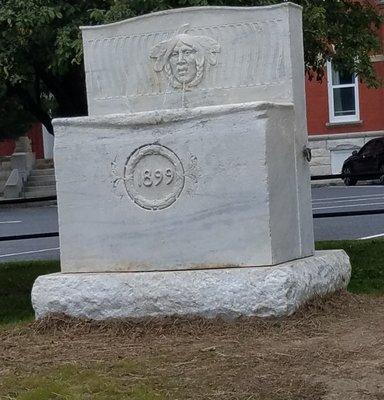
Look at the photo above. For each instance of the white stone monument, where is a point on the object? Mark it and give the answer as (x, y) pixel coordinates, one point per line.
(186, 190)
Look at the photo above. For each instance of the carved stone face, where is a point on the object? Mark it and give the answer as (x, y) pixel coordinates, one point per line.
(183, 62)
(185, 58)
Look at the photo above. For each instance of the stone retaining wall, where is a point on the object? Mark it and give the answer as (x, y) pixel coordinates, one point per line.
(328, 151)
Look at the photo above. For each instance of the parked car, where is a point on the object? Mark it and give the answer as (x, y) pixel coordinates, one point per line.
(368, 161)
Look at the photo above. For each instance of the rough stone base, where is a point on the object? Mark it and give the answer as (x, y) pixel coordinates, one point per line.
(230, 292)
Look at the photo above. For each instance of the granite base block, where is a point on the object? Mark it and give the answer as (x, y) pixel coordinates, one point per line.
(229, 292)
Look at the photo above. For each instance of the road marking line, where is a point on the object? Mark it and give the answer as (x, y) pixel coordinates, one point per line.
(367, 186)
(355, 187)
(348, 206)
(349, 197)
(10, 222)
(29, 252)
(372, 237)
(347, 201)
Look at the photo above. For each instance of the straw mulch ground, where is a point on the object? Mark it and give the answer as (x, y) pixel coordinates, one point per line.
(331, 349)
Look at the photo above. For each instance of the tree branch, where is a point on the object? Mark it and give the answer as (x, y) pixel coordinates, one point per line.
(32, 106)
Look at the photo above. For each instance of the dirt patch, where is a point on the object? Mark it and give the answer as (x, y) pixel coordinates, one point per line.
(331, 349)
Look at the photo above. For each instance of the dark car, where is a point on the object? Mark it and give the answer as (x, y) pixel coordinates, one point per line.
(368, 163)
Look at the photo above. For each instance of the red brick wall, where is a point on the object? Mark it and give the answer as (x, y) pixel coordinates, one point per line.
(36, 136)
(371, 108)
(7, 147)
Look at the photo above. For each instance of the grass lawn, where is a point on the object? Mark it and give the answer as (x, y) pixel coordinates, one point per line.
(16, 280)
(367, 259)
(332, 349)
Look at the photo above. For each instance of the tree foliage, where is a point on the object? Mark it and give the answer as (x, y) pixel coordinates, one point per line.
(15, 121)
(41, 70)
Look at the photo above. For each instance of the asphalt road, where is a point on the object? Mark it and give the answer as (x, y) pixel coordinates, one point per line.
(18, 221)
(26, 220)
(341, 198)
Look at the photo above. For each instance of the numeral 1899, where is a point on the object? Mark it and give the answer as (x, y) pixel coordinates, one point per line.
(154, 177)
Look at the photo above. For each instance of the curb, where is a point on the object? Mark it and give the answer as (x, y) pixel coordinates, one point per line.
(29, 202)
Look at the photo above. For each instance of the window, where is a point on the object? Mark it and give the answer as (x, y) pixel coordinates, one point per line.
(343, 96)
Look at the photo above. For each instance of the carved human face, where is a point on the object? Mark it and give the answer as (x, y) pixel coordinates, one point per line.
(183, 62)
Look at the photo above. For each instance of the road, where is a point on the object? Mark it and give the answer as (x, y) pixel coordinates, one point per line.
(341, 198)
(22, 221)
(17, 221)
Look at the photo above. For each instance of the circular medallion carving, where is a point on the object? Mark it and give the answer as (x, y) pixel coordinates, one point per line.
(154, 177)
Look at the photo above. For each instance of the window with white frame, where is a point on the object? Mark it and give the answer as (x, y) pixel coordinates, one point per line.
(343, 96)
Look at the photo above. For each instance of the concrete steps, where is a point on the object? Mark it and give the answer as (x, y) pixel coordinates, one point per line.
(41, 182)
(5, 165)
(43, 179)
(43, 164)
(37, 183)
(5, 159)
(4, 173)
(40, 171)
(5, 170)
(40, 192)
(2, 184)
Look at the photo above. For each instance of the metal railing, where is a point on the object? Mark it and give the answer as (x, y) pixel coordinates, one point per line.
(342, 176)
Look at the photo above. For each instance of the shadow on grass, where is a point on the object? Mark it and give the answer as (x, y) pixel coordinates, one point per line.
(16, 280)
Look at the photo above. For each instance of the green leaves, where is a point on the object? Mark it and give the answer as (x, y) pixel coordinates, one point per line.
(41, 48)
(352, 29)
(14, 121)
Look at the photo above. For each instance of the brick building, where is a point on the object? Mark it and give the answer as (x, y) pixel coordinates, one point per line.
(343, 114)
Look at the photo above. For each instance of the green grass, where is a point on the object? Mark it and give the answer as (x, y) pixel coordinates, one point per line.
(16, 280)
(95, 381)
(367, 259)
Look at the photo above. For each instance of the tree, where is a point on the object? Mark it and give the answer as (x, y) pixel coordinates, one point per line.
(41, 70)
(15, 121)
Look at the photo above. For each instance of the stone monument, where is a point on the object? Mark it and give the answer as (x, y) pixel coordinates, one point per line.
(186, 189)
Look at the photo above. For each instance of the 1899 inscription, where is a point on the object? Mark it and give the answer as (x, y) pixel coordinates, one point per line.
(154, 177)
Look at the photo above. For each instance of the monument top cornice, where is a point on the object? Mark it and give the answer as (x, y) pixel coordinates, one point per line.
(189, 9)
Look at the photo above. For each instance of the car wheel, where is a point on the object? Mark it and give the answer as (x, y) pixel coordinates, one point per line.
(349, 181)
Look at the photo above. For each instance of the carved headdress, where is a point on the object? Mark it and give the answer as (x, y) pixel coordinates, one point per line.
(206, 54)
